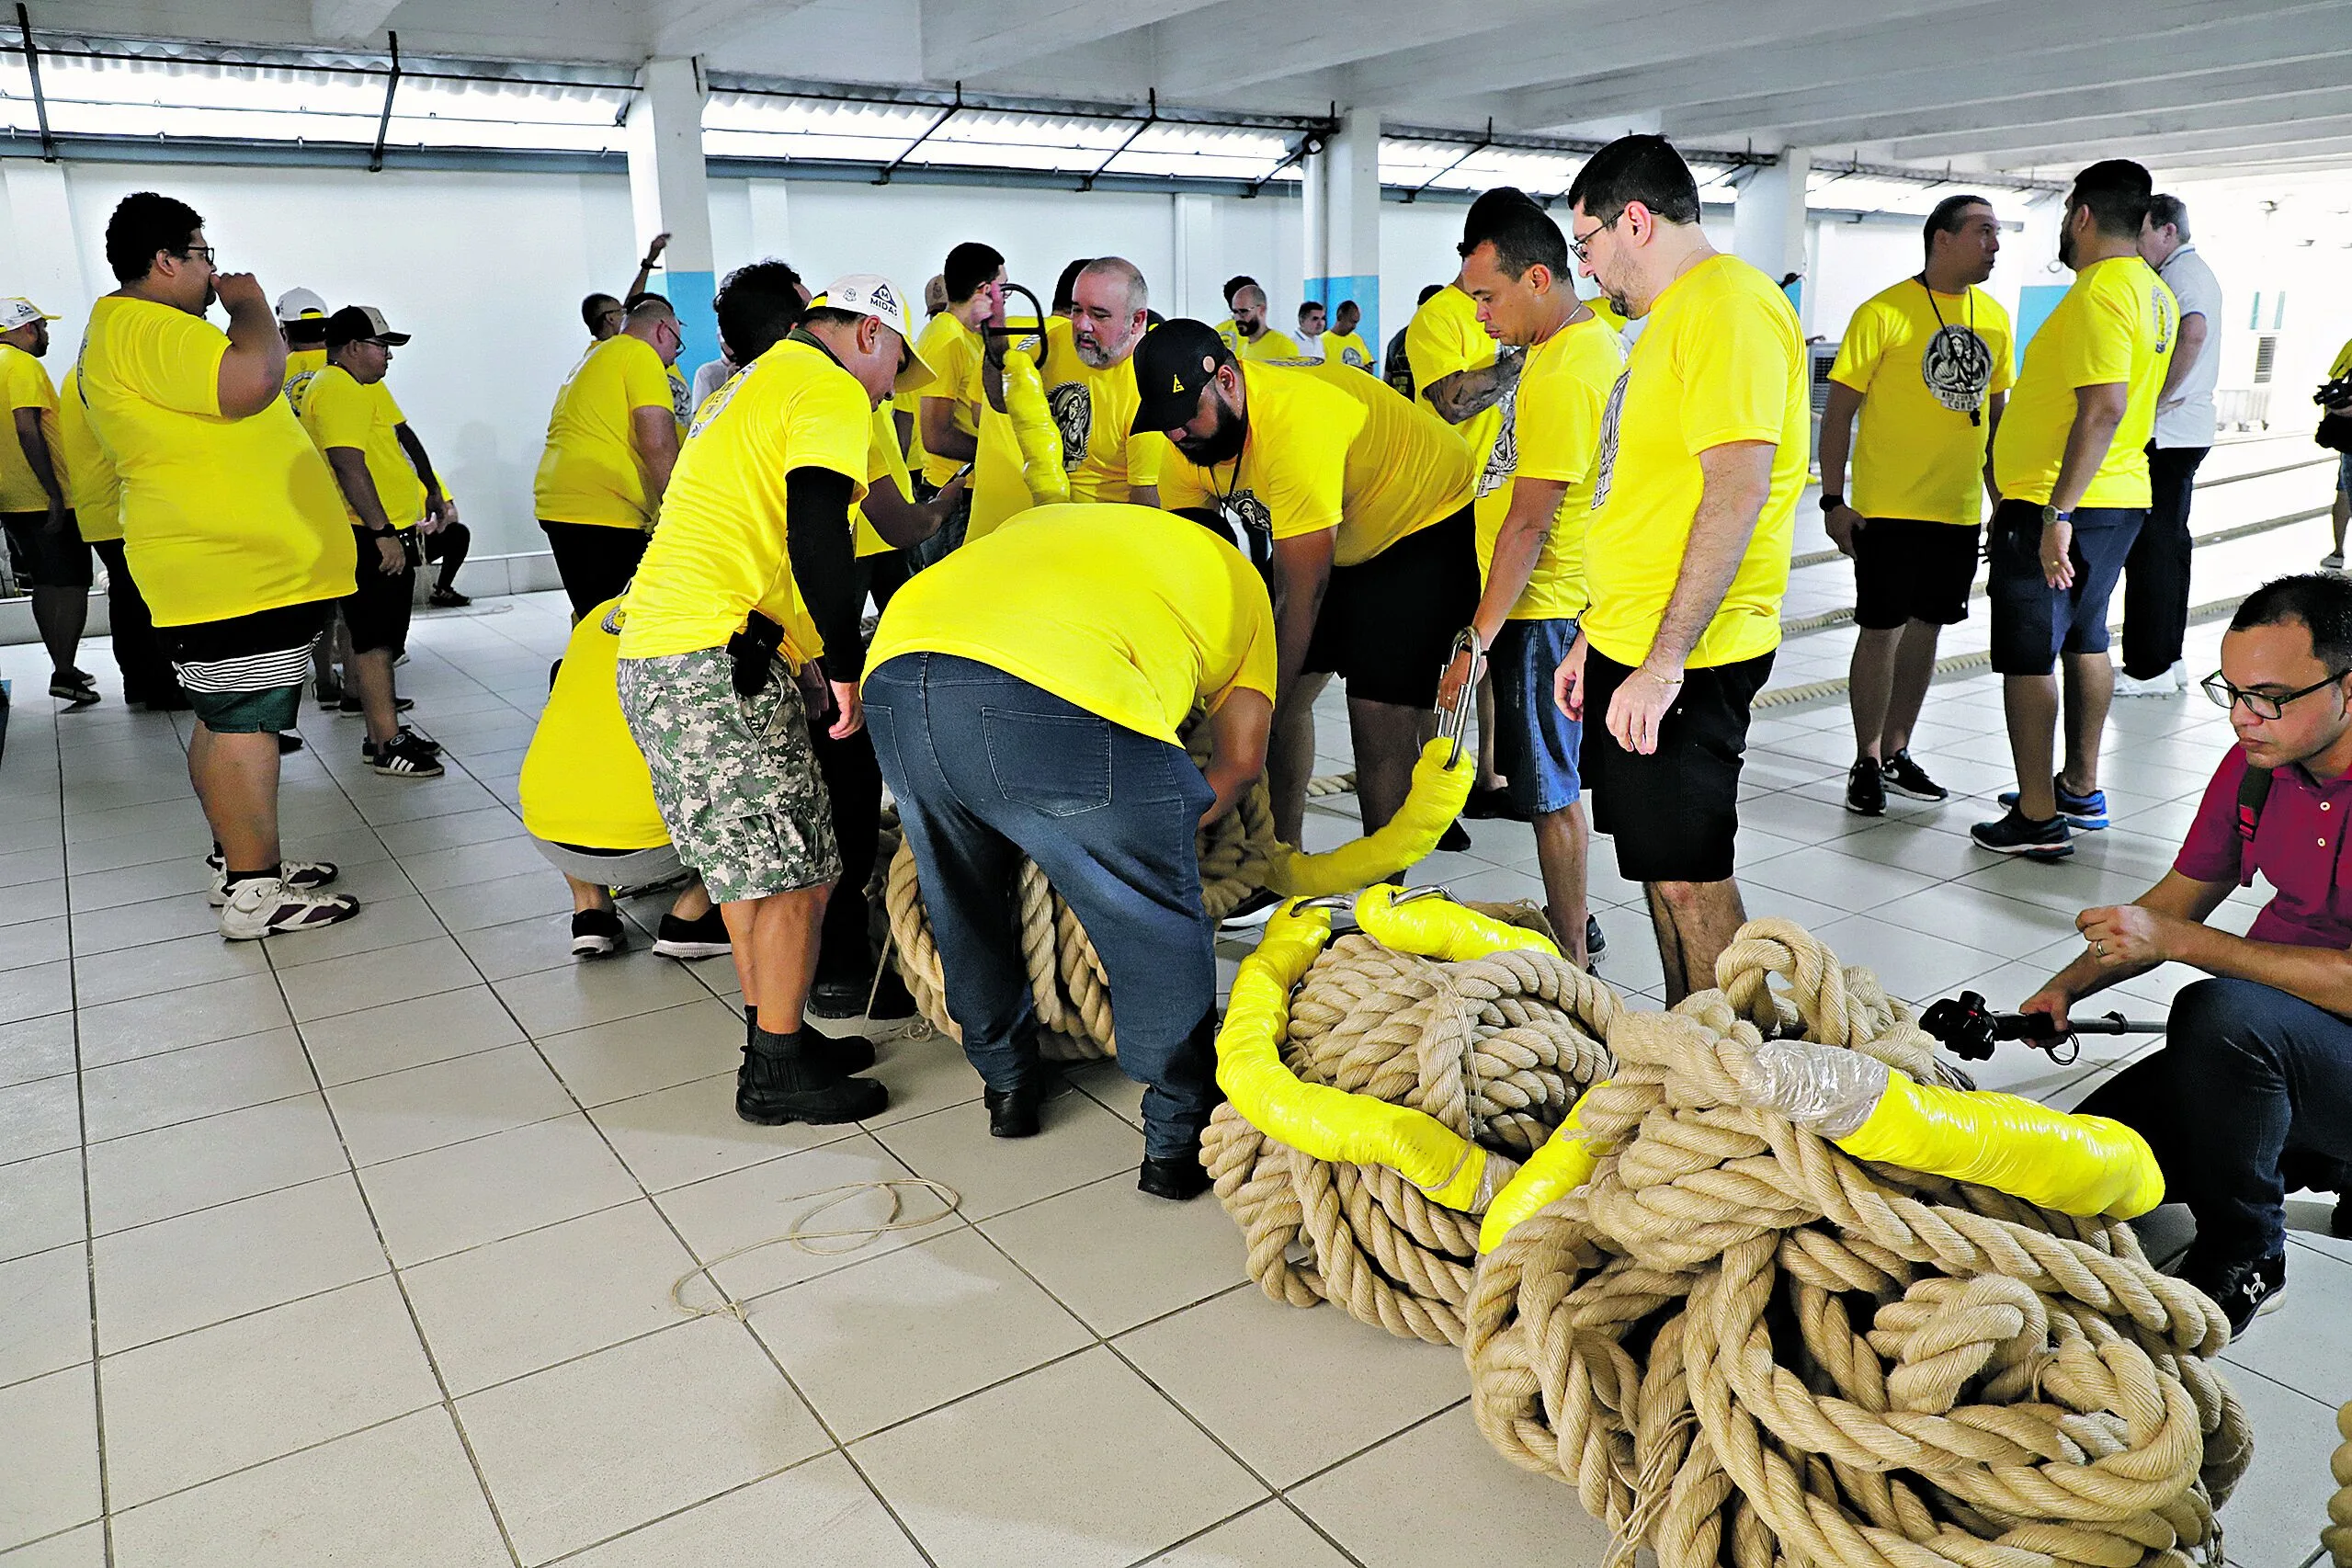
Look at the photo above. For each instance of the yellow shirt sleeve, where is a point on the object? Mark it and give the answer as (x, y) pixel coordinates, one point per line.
(2099, 352)
(389, 403)
(175, 362)
(646, 381)
(1738, 372)
(339, 412)
(1254, 666)
(1181, 483)
(1144, 452)
(23, 384)
(2343, 365)
(883, 460)
(1863, 346)
(1435, 351)
(1559, 424)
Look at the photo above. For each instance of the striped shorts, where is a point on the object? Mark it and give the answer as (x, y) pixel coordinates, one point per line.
(244, 676)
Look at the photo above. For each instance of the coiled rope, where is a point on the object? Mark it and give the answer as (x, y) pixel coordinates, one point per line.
(1496, 1048)
(1742, 1345)
(2337, 1539)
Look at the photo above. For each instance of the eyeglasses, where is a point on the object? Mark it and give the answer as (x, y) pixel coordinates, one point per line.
(2262, 705)
(211, 256)
(1591, 234)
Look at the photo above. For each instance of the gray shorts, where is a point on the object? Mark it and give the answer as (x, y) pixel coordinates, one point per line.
(614, 869)
(735, 777)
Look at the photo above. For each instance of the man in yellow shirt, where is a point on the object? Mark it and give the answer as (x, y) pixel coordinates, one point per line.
(1363, 501)
(1254, 339)
(746, 586)
(231, 524)
(1517, 272)
(1094, 400)
(2070, 464)
(1927, 364)
(605, 315)
(2341, 513)
(301, 317)
(947, 417)
(1226, 332)
(349, 412)
(1025, 699)
(1703, 455)
(1342, 345)
(611, 440)
(96, 494)
(35, 507)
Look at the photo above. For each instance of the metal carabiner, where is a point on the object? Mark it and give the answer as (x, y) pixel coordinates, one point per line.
(1453, 724)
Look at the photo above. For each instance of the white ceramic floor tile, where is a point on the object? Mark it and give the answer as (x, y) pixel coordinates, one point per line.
(821, 1511)
(363, 981)
(583, 1451)
(989, 1481)
(194, 1016)
(1268, 1536)
(685, 1134)
(1080, 1142)
(51, 1481)
(36, 1048)
(401, 1035)
(201, 1081)
(578, 996)
(401, 1493)
(40, 1118)
(40, 1203)
(656, 1050)
(186, 1410)
(404, 1113)
(479, 1192)
(2277, 1512)
(44, 1313)
(1117, 1256)
(84, 1548)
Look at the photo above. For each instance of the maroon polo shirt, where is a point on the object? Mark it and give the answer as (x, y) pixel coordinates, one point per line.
(2298, 847)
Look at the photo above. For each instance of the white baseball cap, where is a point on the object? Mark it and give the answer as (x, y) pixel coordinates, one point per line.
(872, 294)
(18, 311)
(296, 303)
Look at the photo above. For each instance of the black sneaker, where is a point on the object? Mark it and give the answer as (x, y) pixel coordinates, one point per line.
(1177, 1178)
(2013, 835)
(2244, 1290)
(841, 1054)
(1455, 841)
(73, 688)
(447, 598)
(404, 736)
(840, 995)
(289, 743)
(1013, 1113)
(597, 933)
(703, 938)
(405, 757)
(787, 1078)
(2087, 812)
(1493, 804)
(1866, 789)
(329, 693)
(1594, 943)
(1905, 776)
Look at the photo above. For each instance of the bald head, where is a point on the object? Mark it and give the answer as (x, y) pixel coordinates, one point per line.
(1249, 310)
(652, 319)
(1108, 311)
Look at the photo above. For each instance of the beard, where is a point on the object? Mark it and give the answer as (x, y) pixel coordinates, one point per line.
(2066, 248)
(1221, 446)
(1098, 353)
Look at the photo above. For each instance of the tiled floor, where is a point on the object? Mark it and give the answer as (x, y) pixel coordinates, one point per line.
(357, 1247)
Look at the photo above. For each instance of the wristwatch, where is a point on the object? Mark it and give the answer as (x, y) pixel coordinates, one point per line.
(2052, 516)
(1831, 503)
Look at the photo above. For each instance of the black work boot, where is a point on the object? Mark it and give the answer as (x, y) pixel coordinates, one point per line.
(1013, 1113)
(782, 1080)
(1178, 1178)
(849, 1054)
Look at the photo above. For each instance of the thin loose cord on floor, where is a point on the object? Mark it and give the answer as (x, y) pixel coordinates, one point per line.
(800, 1236)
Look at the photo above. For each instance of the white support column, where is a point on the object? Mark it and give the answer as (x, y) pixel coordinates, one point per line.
(669, 191)
(36, 243)
(1344, 218)
(1769, 222)
(1192, 291)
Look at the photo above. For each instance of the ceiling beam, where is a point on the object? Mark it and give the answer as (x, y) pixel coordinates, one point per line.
(349, 20)
(2200, 66)
(2176, 151)
(972, 38)
(1980, 39)
(2281, 112)
(1228, 45)
(692, 26)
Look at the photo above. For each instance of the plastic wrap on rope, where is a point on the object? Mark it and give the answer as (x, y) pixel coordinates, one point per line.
(1035, 431)
(1437, 795)
(1744, 1344)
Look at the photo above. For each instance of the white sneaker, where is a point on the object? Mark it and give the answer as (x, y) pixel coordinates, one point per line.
(2332, 561)
(296, 873)
(2180, 675)
(269, 907)
(2154, 686)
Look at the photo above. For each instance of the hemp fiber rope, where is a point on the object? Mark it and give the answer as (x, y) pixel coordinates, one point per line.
(1066, 980)
(1498, 1049)
(2337, 1539)
(1744, 1346)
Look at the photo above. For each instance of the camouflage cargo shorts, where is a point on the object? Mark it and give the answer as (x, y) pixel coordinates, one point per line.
(735, 777)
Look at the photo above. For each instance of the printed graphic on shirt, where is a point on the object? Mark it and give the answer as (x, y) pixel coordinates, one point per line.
(1607, 469)
(1348, 356)
(714, 404)
(1073, 414)
(298, 390)
(2161, 300)
(1503, 458)
(1252, 523)
(1958, 367)
(681, 401)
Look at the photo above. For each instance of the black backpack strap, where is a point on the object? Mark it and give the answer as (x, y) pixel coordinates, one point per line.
(2254, 790)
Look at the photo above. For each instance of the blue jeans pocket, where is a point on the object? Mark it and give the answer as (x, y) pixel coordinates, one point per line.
(881, 728)
(1056, 763)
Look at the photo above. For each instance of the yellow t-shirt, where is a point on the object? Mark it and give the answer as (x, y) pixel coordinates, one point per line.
(1229, 334)
(720, 552)
(583, 780)
(304, 362)
(1555, 434)
(1348, 348)
(24, 383)
(953, 352)
(1721, 360)
(91, 487)
(339, 412)
(1269, 346)
(1443, 338)
(883, 459)
(1055, 598)
(590, 472)
(220, 518)
(1330, 448)
(1921, 364)
(681, 397)
(1094, 410)
(2343, 363)
(2117, 324)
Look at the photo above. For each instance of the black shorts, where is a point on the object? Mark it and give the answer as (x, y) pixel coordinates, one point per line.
(1907, 570)
(595, 561)
(2033, 622)
(52, 560)
(1388, 622)
(378, 609)
(1675, 813)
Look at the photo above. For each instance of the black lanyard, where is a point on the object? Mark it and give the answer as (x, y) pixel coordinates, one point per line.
(1976, 414)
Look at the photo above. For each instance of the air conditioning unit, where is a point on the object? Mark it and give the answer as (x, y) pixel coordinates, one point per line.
(1822, 357)
(2266, 355)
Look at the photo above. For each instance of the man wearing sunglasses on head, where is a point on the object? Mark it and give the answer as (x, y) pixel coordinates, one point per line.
(2252, 1093)
(611, 441)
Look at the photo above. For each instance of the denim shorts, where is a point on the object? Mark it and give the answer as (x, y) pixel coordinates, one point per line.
(2033, 622)
(1535, 744)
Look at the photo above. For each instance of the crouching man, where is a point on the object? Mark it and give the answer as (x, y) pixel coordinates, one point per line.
(2257, 1067)
(1024, 699)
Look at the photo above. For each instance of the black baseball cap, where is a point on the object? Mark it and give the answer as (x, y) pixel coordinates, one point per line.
(1175, 360)
(361, 323)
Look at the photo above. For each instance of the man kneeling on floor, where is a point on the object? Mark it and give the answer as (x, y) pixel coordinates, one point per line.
(1024, 701)
(588, 805)
(748, 582)
(2257, 1067)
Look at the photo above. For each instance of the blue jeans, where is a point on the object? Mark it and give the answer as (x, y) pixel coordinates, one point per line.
(2253, 1086)
(987, 768)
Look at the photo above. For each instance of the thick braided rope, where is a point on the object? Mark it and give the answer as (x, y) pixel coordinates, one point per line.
(1740, 1343)
(1497, 1049)
(1066, 980)
(2337, 1538)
